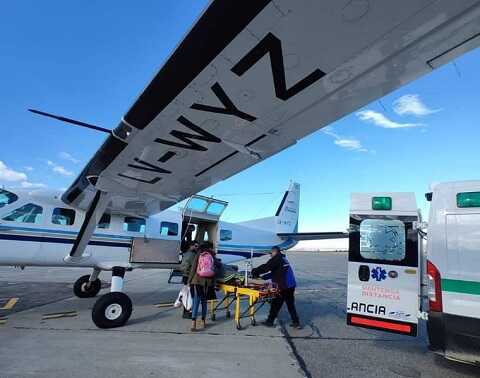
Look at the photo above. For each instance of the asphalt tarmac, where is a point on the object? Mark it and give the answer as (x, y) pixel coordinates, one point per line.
(157, 341)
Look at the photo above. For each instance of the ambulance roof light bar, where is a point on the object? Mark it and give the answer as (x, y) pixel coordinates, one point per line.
(381, 203)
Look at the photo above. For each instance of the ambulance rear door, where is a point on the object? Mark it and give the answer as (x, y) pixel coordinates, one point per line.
(383, 263)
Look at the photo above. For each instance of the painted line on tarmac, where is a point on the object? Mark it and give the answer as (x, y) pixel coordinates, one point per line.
(59, 315)
(9, 303)
(160, 305)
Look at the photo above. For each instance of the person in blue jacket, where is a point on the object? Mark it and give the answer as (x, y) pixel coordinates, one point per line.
(278, 269)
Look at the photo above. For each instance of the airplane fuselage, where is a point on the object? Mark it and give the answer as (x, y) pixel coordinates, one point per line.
(46, 239)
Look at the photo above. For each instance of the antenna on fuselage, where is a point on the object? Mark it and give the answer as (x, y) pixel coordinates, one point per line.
(72, 121)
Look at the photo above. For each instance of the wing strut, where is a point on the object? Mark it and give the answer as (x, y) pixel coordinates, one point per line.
(92, 216)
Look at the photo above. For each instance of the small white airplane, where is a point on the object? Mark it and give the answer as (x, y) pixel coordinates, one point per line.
(38, 229)
(250, 79)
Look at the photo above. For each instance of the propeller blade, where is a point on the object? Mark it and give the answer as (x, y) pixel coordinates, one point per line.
(72, 121)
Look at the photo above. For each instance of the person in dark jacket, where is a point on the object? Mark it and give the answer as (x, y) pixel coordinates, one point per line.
(186, 267)
(281, 273)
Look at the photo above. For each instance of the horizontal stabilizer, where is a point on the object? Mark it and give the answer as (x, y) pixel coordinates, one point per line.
(314, 235)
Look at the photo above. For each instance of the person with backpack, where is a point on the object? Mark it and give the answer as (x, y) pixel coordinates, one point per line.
(281, 273)
(186, 267)
(202, 280)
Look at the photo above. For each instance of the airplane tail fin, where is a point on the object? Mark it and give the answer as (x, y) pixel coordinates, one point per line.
(286, 217)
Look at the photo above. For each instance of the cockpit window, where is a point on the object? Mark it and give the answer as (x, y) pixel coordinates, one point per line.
(6, 197)
(29, 213)
(65, 217)
(132, 224)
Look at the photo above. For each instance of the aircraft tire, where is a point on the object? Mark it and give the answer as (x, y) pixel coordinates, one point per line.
(112, 310)
(80, 287)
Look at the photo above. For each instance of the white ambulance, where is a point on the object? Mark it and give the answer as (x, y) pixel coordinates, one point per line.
(388, 265)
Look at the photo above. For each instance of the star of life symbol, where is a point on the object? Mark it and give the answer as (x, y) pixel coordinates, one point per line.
(379, 274)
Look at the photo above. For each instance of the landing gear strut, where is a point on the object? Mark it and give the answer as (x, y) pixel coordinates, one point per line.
(113, 309)
(88, 286)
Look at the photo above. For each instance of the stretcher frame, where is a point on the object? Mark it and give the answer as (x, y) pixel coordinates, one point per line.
(233, 295)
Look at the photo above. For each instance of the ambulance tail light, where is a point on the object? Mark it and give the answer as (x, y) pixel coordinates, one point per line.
(434, 288)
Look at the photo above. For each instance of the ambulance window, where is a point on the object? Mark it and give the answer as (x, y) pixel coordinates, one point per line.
(133, 224)
(29, 213)
(104, 221)
(168, 229)
(225, 235)
(382, 239)
(65, 217)
(6, 197)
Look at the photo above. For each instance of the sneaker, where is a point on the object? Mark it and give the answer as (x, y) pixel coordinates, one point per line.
(268, 323)
(295, 325)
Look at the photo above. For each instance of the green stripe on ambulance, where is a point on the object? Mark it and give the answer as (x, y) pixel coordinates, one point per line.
(460, 286)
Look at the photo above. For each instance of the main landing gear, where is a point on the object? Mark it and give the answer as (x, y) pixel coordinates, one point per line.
(113, 309)
(88, 286)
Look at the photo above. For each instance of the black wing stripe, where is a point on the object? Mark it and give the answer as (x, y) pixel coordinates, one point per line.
(229, 155)
(216, 28)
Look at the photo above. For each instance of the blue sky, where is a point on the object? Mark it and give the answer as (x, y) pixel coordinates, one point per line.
(90, 60)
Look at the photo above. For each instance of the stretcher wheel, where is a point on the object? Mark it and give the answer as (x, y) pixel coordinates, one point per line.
(213, 317)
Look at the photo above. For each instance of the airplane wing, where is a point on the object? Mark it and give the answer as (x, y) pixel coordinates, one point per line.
(251, 78)
(314, 235)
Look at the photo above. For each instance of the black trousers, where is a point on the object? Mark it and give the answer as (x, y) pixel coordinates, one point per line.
(288, 296)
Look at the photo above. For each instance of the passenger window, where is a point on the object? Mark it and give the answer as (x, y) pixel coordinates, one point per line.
(382, 239)
(225, 235)
(133, 224)
(29, 213)
(168, 229)
(6, 198)
(104, 221)
(65, 217)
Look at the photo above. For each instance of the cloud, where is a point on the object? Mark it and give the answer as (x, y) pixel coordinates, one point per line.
(19, 178)
(59, 169)
(7, 174)
(68, 157)
(347, 143)
(378, 119)
(28, 168)
(411, 104)
(32, 185)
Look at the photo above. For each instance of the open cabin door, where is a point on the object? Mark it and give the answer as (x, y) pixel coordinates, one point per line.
(383, 263)
(200, 219)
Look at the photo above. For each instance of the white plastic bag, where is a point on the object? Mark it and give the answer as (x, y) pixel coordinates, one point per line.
(184, 298)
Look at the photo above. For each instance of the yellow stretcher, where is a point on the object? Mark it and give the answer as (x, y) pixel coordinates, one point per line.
(233, 296)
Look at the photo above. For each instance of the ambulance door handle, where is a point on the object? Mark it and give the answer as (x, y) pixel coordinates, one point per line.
(364, 273)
